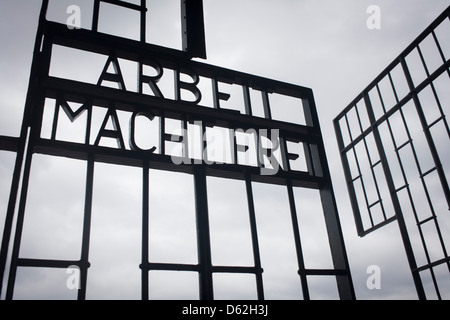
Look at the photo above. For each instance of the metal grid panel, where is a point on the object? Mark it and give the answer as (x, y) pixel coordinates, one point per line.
(395, 137)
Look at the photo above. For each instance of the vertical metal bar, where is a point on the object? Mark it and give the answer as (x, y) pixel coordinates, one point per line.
(95, 15)
(255, 242)
(266, 104)
(337, 245)
(395, 201)
(143, 20)
(162, 132)
(19, 223)
(88, 123)
(55, 120)
(7, 230)
(203, 235)
(145, 230)
(247, 100)
(193, 28)
(84, 262)
(334, 230)
(298, 244)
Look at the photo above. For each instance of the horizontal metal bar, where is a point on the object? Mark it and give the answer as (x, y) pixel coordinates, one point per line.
(423, 175)
(226, 269)
(374, 204)
(196, 268)
(426, 220)
(401, 188)
(403, 145)
(126, 4)
(376, 163)
(163, 162)
(436, 121)
(169, 267)
(377, 226)
(323, 272)
(44, 263)
(9, 143)
(433, 264)
(129, 101)
(168, 58)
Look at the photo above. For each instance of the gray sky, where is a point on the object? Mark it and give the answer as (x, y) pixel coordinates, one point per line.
(321, 44)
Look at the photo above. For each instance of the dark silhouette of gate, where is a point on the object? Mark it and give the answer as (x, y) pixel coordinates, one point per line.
(272, 166)
(394, 144)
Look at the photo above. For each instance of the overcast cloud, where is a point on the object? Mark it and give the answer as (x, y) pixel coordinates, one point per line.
(321, 44)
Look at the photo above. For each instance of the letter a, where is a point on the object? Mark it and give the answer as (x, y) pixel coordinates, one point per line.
(74, 20)
(112, 77)
(374, 280)
(374, 20)
(107, 133)
(73, 281)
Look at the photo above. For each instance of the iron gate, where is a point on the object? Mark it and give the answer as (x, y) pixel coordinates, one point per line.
(394, 143)
(268, 137)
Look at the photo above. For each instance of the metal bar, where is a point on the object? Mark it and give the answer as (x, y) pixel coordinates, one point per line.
(19, 223)
(297, 240)
(9, 143)
(33, 119)
(45, 263)
(254, 233)
(171, 267)
(332, 222)
(434, 264)
(145, 229)
(9, 219)
(95, 15)
(266, 104)
(324, 272)
(126, 4)
(203, 236)
(231, 269)
(193, 28)
(143, 25)
(86, 227)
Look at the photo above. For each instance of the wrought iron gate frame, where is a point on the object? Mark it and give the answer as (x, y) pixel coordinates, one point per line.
(42, 86)
(362, 105)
